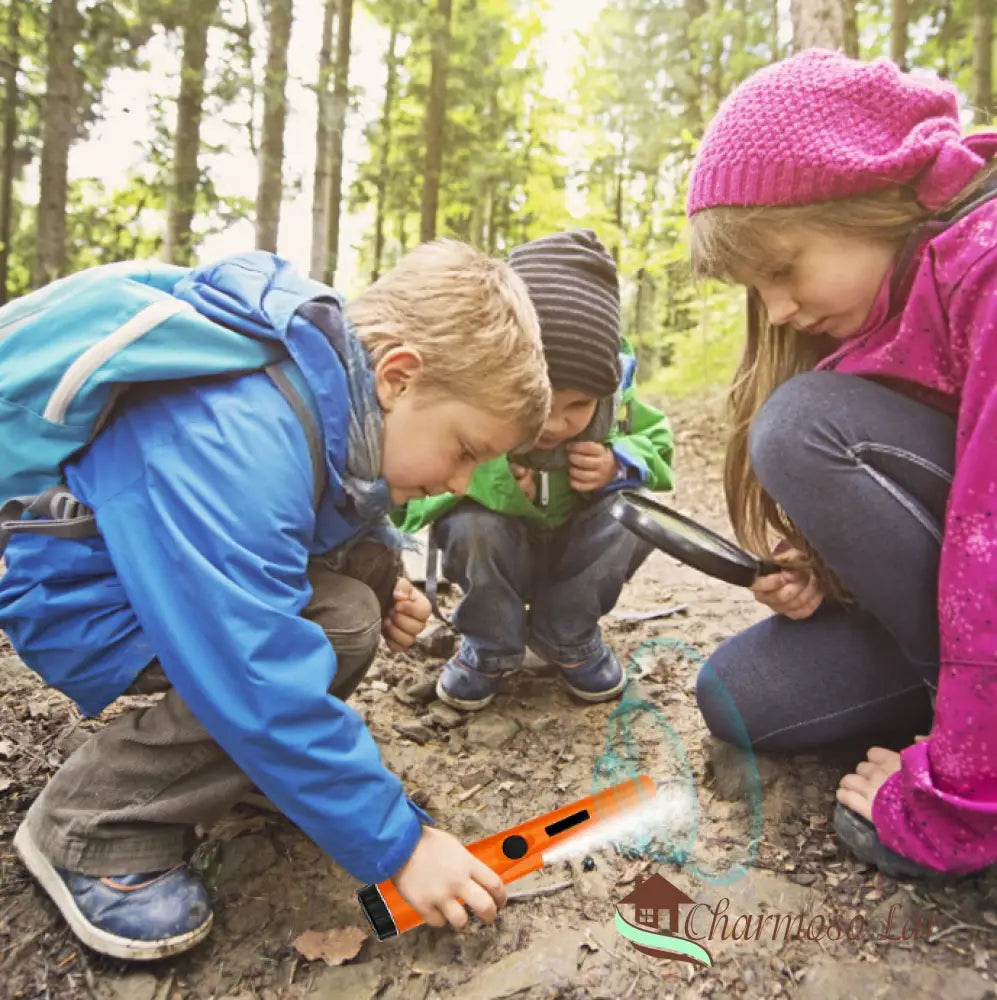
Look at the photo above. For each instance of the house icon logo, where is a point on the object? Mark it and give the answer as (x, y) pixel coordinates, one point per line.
(652, 898)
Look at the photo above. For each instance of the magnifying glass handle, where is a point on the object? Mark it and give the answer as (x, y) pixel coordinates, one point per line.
(765, 568)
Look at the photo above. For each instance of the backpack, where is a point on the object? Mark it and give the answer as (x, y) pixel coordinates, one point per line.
(70, 349)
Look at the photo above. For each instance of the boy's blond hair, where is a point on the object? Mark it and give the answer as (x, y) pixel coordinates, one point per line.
(471, 320)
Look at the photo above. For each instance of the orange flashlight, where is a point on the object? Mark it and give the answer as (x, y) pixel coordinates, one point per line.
(512, 853)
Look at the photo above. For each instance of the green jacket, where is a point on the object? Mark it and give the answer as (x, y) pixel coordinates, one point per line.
(640, 436)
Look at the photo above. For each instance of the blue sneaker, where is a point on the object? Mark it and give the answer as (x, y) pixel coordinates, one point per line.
(599, 678)
(137, 917)
(464, 687)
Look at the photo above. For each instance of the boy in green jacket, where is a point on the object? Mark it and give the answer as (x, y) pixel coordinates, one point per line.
(532, 543)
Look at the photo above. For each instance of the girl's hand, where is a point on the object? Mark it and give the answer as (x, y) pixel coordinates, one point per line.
(442, 875)
(407, 617)
(794, 593)
(525, 480)
(857, 790)
(591, 466)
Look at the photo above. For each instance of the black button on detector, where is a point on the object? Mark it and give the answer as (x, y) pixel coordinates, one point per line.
(515, 847)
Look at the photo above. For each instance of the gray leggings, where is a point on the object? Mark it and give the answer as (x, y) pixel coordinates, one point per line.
(864, 472)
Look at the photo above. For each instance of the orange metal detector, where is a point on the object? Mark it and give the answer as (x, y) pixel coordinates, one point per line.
(512, 853)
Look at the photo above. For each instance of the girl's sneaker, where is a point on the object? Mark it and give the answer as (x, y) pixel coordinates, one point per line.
(462, 687)
(599, 678)
(137, 917)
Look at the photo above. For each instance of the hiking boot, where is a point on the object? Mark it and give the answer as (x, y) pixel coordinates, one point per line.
(138, 917)
(599, 678)
(465, 688)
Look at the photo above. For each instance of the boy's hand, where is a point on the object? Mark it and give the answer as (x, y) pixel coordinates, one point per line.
(407, 617)
(441, 875)
(857, 790)
(794, 593)
(591, 465)
(525, 480)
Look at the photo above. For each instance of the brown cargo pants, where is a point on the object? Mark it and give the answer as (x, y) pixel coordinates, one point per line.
(128, 799)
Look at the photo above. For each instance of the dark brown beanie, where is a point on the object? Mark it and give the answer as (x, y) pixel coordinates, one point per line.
(573, 283)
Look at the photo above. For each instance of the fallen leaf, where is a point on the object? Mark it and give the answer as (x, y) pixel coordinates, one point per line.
(5, 783)
(333, 947)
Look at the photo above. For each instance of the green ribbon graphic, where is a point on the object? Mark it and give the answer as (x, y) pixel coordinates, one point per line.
(660, 941)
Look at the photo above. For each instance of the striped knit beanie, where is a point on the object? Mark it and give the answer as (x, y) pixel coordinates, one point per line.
(575, 290)
(819, 125)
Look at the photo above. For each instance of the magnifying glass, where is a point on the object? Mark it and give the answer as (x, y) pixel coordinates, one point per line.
(687, 540)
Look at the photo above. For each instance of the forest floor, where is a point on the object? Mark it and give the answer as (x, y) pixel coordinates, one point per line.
(534, 749)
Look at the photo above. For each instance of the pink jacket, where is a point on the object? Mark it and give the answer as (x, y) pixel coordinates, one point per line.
(940, 809)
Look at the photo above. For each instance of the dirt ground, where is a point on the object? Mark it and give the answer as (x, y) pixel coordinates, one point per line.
(531, 751)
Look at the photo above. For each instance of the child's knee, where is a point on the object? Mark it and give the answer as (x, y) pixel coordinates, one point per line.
(718, 708)
(780, 431)
(471, 533)
(348, 611)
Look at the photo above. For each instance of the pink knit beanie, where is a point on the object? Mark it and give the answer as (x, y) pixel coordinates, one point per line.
(820, 125)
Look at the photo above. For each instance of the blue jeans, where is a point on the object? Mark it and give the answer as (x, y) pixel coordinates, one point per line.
(569, 576)
(864, 473)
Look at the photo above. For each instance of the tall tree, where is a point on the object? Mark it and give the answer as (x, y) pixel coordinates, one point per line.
(983, 47)
(818, 23)
(436, 117)
(271, 158)
(899, 15)
(323, 124)
(12, 60)
(62, 86)
(384, 150)
(178, 246)
(340, 103)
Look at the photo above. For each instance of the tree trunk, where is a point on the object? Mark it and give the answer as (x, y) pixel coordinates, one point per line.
(384, 152)
(271, 184)
(983, 44)
(340, 101)
(436, 119)
(818, 23)
(58, 111)
(178, 246)
(11, 66)
(851, 29)
(323, 125)
(898, 32)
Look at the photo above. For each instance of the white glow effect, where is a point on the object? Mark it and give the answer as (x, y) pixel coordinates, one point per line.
(669, 811)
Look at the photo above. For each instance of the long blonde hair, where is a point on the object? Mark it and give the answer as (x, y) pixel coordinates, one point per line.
(730, 239)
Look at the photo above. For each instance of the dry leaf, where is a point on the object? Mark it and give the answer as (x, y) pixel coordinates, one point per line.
(333, 947)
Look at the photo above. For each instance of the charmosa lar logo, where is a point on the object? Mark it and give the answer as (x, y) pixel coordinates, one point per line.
(655, 929)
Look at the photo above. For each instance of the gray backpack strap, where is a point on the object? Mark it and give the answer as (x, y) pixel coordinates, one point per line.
(433, 575)
(55, 512)
(312, 433)
(58, 513)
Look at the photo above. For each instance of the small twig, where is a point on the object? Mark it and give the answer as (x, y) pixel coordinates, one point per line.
(464, 796)
(544, 890)
(938, 935)
(633, 986)
(88, 976)
(289, 978)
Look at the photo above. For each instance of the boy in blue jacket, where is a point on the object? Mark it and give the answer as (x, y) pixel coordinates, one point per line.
(217, 578)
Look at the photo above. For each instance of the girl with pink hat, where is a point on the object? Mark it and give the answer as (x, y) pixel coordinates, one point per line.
(863, 429)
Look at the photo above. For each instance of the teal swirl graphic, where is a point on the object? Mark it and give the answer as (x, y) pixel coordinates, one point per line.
(664, 944)
(620, 761)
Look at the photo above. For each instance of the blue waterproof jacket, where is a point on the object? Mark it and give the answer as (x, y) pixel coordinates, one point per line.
(203, 492)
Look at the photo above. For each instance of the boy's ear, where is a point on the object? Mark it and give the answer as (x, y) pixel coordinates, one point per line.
(396, 373)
